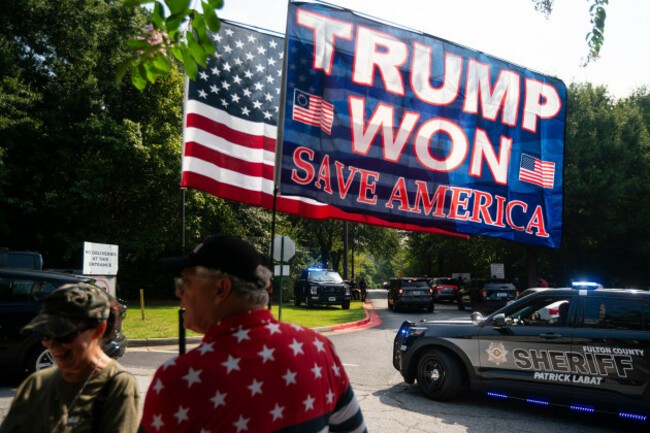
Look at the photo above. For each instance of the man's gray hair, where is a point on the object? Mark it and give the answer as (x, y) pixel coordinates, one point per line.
(247, 291)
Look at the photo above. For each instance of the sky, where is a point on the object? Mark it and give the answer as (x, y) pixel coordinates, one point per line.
(508, 29)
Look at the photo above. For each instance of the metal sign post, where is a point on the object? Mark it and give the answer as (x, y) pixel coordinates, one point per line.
(283, 248)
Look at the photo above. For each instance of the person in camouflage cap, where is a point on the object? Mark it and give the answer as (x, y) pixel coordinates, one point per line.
(69, 307)
(86, 391)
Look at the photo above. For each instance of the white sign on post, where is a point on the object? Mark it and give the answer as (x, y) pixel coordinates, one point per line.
(497, 270)
(283, 248)
(100, 259)
(285, 270)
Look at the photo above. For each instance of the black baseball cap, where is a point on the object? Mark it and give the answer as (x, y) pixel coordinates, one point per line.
(226, 253)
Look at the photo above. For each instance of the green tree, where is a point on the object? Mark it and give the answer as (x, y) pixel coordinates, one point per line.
(84, 159)
(606, 186)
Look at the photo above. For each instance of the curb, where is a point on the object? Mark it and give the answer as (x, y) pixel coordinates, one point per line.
(145, 342)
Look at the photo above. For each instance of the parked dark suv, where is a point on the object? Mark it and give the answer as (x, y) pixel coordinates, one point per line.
(22, 293)
(318, 286)
(409, 292)
(445, 288)
(486, 296)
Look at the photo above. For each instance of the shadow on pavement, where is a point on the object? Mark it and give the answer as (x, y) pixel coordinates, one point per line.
(504, 417)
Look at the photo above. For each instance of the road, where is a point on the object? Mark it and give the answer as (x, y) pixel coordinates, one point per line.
(391, 405)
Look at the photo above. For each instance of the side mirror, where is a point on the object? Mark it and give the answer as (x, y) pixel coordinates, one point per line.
(499, 320)
(477, 318)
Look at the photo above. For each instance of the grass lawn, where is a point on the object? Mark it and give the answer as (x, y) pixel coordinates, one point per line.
(161, 317)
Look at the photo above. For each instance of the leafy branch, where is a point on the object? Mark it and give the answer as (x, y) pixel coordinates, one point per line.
(596, 37)
(191, 46)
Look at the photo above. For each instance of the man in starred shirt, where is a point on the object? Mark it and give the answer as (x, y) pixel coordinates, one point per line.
(251, 373)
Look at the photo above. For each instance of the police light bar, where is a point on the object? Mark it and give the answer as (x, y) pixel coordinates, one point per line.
(586, 285)
(314, 268)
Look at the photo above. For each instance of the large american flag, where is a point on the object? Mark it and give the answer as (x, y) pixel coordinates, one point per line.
(536, 171)
(230, 129)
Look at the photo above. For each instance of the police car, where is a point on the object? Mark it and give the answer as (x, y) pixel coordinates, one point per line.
(593, 356)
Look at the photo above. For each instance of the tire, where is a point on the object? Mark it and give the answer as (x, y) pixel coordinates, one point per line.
(460, 306)
(390, 306)
(39, 359)
(345, 305)
(430, 307)
(296, 301)
(308, 302)
(439, 375)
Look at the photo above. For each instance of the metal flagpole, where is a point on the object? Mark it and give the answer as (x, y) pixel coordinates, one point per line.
(275, 196)
(345, 250)
(181, 327)
(278, 143)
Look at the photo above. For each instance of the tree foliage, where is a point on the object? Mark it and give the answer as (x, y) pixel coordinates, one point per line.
(182, 32)
(83, 158)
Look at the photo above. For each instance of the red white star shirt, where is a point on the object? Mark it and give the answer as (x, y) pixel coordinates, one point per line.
(252, 373)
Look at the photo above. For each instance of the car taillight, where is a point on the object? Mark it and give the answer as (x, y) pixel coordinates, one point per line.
(484, 293)
(439, 287)
(431, 291)
(517, 292)
(400, 291)
(553, 311)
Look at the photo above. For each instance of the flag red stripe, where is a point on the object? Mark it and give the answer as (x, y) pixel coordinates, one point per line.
(198, 121)
(292, 206)
(197, 150)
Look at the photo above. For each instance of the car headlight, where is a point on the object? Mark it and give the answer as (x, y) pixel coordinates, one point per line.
(408, 330)
(313, 290)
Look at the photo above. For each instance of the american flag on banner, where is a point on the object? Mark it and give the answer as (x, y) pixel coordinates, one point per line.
(536, 171)
(312, 110)
(231, 116)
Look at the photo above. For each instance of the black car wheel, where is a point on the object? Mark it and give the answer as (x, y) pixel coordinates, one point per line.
(430, 307)
(390, 306)
(345, 305)
(296, 301)
(308, 302)
(439, 375)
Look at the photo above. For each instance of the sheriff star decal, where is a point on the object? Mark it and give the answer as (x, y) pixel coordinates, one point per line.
(497, 353)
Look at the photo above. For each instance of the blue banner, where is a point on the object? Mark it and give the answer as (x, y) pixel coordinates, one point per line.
(413, 129)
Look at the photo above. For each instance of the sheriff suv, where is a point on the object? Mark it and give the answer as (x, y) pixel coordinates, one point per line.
(318, 286)
(592, 356)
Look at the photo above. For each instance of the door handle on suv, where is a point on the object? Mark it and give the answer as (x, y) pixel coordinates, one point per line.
(550, 335)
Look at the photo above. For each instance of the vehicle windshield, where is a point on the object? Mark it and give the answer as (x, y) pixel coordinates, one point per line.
(449, 281)
(420, 284)
(325, 277)
(499, 286)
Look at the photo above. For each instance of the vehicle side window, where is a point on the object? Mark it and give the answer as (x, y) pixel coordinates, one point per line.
(612, 313)
(542, 311)
(42, 289)
(15, 289)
